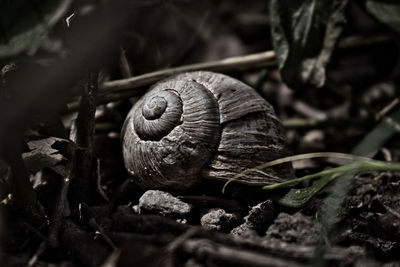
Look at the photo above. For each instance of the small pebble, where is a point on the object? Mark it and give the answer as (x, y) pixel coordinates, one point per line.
(219, 220)
(257, 221)
(163, 203)
(244, 230)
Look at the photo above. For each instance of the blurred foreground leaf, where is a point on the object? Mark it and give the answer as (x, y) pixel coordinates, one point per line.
(376, 138)
(25, 24)
(385, 11)
(304, 35)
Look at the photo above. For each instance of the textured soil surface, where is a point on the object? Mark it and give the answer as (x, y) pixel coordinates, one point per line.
(90, 212)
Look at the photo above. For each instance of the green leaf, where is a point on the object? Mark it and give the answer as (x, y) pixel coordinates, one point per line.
(296, 198)
(386, 12)
(304, 34)
(25, 24)
(372, 141)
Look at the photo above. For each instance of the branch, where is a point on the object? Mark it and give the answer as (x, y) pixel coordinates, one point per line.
(263, 59)
(85, 127)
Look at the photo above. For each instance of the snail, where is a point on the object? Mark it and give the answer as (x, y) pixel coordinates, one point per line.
(201, 125)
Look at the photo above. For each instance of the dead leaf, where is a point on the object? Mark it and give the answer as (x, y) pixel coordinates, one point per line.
(304, 35)
(386, 12)
(43, 154)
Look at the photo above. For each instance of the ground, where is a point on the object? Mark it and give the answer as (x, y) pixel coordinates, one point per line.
(67, 199)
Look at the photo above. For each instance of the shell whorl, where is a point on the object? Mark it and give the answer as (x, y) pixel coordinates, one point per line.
(171, 133)
(159, 114)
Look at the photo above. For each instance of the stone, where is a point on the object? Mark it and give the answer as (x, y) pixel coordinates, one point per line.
(163, 203)
(219, 220)
(261, 216)
(257, 221)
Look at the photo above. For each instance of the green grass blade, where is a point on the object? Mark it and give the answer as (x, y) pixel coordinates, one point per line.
(297, 198)
(371, 142)
(379, 135)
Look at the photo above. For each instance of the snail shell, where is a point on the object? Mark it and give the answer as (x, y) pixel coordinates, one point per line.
(200, 125)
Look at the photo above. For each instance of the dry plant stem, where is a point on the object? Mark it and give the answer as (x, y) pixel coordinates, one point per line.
(92, 223)
(41, 249)
(106, 98)
(258, 60)
(171, 248)
(315, 123)
(85, 134)
(387, 108)
(173, 245)
(124, 65)
(60, 210)
(112, 259)
(59, 213)
(392, 211)
(358, 40)
(23, 199)
(120, 193)
(308, 111)
(85, 127)
(35, 231)
(98, 182)
(204, 250)
(252, 61)
(109, 90)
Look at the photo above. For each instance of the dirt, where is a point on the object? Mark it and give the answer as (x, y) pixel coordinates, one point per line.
(90, 212)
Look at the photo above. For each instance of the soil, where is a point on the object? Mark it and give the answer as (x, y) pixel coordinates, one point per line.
(95, 214)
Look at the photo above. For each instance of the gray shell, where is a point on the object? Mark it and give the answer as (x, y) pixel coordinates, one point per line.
(200, 125)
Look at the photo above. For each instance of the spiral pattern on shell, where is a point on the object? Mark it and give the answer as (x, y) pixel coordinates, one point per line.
(200, 125)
